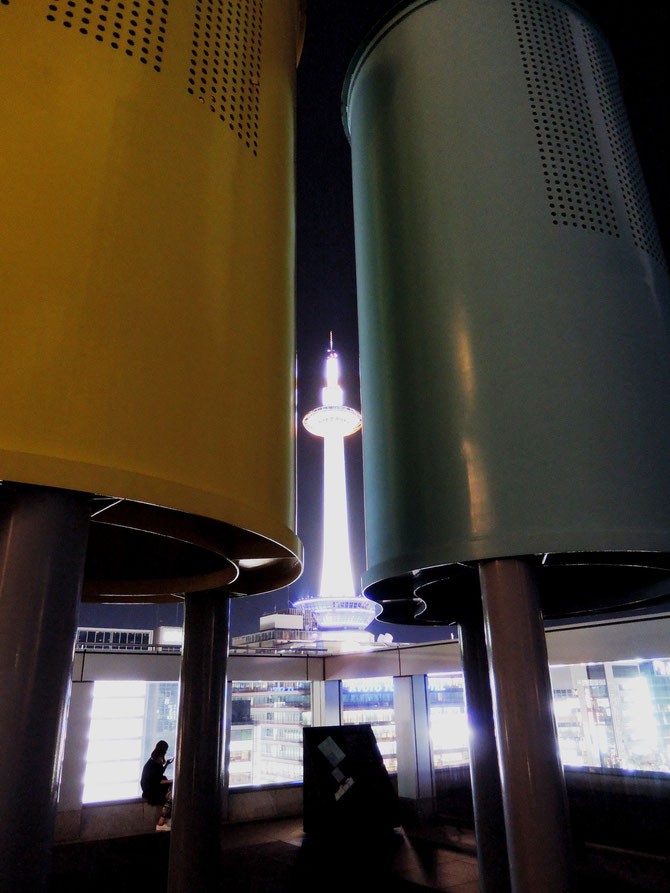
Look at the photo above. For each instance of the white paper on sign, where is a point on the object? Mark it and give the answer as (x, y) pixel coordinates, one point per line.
(342, 790)
(331, 751)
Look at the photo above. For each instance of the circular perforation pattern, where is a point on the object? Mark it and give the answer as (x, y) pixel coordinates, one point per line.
(631, 181)
(136, 27)
(225, 66)
(572, 163)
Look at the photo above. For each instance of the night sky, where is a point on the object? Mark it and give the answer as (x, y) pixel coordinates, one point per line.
(326, 285)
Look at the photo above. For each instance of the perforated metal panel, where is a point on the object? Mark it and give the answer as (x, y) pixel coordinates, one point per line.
(575, 177)
(137, 27)
(153, 249)
(510, 297)
(225, 67)
(631, 180)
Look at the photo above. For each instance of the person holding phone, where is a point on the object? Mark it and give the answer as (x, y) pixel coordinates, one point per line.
(156, 788)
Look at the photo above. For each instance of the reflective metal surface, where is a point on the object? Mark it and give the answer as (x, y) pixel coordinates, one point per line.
(533, 787)
(198, 792)
(43, 538)
(513, 300)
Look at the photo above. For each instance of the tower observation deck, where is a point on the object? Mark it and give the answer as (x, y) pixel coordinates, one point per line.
(337, 606)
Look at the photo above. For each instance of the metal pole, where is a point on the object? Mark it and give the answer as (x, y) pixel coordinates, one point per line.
(533, 786)
(484, 770)
(43, 540)
(199, 787)
(415, 768)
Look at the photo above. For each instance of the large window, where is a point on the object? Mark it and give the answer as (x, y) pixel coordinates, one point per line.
(371, 700)
(127, 719)
(610, 715)
(448, 719)
(614, 715)
(266, 731)
(94, 639)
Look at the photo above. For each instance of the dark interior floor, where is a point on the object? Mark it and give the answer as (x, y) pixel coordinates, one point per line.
(276, 856)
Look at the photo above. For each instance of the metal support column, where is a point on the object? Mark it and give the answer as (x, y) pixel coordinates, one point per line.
(43, 540)
(415, 768)
(199, 770)
(327, 703)
(70, 796)
(484, 770)
(533, 786)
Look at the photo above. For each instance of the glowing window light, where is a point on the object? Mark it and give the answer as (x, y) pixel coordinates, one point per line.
(127, 718)
(114, 689)
(122, 708)
(642, 728)
(113, 729)
(100, 792)
(114, 772)
(614, 728)
(114, 758)
(450, 732)
(102, 750)
(371, 700)
(448, 721)
(276, 712)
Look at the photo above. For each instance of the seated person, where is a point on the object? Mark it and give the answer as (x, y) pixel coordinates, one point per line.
(156, 788)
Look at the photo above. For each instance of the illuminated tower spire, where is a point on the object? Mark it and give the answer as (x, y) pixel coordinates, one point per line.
(338, 606)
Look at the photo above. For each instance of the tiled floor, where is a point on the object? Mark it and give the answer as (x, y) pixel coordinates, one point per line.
(436, 868)
(346, 865)
(276, 857)
(273, 857)
(401, 858)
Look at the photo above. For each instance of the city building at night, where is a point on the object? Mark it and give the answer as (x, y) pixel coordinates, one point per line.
(279, 631)
(611, 702)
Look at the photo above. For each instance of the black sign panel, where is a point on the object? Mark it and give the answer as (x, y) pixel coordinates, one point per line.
(346, 785)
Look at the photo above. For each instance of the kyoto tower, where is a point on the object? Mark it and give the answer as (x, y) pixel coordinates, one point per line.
(339, 612)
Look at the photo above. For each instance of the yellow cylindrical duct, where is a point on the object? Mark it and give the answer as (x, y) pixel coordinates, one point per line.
(146, 270)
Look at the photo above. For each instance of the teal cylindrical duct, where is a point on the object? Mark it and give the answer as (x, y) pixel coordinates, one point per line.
(513, 302)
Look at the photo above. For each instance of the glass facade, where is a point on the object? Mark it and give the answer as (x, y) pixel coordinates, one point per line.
(371, 700)
(127, 719)
(609, 715)
(266, 731)
(614, 715)
(94, 639)
(448, 720)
